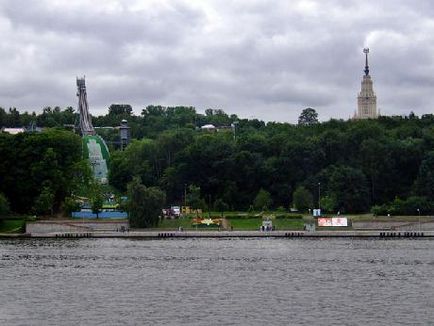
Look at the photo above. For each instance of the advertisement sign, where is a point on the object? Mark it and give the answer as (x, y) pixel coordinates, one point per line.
(324, 221)
(339, 221)
(332, 221)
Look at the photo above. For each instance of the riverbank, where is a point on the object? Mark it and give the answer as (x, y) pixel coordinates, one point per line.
(72, 228)
(142, 234)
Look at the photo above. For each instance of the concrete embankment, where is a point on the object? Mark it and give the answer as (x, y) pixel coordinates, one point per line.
(236, 234)
(119, 229)
(74, 226)
(413, 226)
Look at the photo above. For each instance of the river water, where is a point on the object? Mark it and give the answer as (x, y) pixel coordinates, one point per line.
(217, 282)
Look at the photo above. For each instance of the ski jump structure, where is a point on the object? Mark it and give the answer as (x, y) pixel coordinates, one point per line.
(95, 149)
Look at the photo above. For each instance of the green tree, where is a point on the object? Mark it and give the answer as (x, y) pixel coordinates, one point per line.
(413, 205)
(193, 198)
(31, 160)
(45, 201)
(120, 109)
(96, 199)
(140, 159)
(308, 117)
(329, 203)
(348, 185)
(262, 200)
(3, 117)
(383, 158)
(70, 205)
(424, 184)
(220, 206)
(302, 199)
(4, 205)
(144, 204)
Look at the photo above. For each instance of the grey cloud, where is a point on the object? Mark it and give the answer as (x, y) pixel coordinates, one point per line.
(117, 27)
(246, 57)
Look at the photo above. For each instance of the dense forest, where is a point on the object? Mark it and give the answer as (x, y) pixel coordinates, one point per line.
(39, 170)
(384, 165)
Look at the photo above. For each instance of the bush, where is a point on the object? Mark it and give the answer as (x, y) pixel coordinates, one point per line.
(144, 204)
(281, 209)
(240, 217)
(415, 203)
(12, 226)
(70, 205)
(302, 199)
(233, 217)
(379, 210)
(289, 216)
(410, 206)
(262, 200)
(4, 205)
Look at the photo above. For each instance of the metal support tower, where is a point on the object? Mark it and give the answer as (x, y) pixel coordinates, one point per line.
(86, 127)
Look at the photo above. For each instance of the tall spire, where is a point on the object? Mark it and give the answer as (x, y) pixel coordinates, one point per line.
(366, 51)
(366, 99)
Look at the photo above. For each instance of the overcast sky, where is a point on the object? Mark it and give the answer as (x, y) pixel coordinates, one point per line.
(255, 58)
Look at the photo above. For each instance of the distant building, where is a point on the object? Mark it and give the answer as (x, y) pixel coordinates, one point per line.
(209, 127)
(13, 131)
(367, 100)
(18, 130)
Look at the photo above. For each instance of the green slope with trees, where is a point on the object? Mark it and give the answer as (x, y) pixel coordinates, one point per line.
(385, 163)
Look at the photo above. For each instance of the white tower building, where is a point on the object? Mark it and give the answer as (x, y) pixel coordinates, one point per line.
(367, 100)
(86, 127)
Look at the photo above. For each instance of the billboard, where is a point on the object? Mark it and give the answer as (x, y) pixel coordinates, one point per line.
(332, 221)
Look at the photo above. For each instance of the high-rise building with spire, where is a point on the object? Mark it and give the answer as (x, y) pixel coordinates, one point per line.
(367, 100)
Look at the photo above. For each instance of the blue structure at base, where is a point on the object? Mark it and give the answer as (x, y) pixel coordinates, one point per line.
(102, 215)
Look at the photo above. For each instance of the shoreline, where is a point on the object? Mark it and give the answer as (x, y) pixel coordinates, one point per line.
(382, 234)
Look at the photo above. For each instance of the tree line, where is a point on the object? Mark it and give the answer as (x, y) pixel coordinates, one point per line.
(384, 165)
(352, 165)
(38, 171)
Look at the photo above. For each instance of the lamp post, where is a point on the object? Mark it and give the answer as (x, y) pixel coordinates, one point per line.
(319, 196)
(418, 210)
(93, 164)
(234, 127)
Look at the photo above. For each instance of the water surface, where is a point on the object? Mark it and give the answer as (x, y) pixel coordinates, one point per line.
(216, 282)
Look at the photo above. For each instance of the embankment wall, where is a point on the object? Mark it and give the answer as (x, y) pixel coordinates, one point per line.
(41, 227)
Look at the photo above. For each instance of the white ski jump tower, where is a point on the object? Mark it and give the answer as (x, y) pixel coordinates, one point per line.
(86, 127)
(94, 147)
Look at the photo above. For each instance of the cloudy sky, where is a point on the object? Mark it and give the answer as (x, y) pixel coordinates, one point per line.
(255, 58)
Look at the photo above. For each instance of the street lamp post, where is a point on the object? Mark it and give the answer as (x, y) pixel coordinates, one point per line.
(93, 164)
(319, 195)
(418, 210)
(234, 127)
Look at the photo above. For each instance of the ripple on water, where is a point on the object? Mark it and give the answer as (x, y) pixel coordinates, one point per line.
(216, 282)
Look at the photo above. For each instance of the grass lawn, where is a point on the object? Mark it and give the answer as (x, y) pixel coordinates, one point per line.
(11, 226)
(255, 224)
(185, 223)
(288, 224)
(246, 223)
(372, 218)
